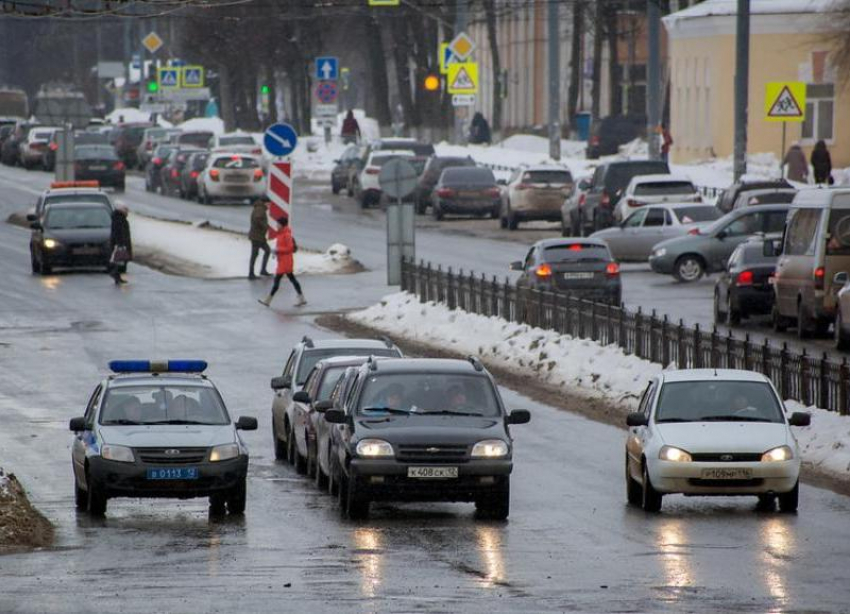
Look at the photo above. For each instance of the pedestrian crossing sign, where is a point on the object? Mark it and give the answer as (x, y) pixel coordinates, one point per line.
(785, 101)
(169, 77)
(463, 78)
(193, 76)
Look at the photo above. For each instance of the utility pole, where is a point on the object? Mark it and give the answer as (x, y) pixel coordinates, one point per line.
(554, 81)
(742, 78)
(461, 19)
(653, 78)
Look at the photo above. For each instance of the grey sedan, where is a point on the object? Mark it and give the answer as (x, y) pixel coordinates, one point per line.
(690, 257)
(634, 238)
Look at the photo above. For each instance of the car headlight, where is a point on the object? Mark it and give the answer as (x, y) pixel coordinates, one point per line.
(676, 455)
(120, 454)
(661, 251)
(224, 452)
(373, 448)
(782, 453)
(490, 448)
(50, 243)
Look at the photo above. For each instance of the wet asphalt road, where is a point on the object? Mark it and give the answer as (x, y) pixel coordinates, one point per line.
(571, 543)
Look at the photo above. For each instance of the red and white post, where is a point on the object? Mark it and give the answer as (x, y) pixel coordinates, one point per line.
(279, 190)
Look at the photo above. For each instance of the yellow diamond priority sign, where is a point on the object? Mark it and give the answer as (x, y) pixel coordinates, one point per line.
(785, 101)
(463, 78)
(152, 42)
(462, 46)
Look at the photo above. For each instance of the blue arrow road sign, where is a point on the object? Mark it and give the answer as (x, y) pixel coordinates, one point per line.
(327, 68)
(280, 140)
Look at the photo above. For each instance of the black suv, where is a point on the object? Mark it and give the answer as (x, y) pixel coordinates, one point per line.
(423, 430)
(609, 181)
(726, 200)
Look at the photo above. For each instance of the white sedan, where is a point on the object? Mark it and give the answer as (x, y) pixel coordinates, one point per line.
(231, 177)
(712, 432)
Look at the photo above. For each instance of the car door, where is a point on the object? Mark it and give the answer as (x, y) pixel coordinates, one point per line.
(342, 435)
(650, 234)
(301, 411)
(621, 239)
(84, 440)
(283, 396)
(635, 441)
(730, 236)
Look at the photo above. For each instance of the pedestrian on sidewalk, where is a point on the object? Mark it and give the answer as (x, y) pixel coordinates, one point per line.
(822, 164)
(479, 130)
(122, 245)
(257, 236)
(285, 247)
(350, 128)
(798, 167)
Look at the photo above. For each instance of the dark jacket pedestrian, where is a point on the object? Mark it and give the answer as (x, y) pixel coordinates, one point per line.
(798, 167)
(285, 248)
(257, 236)
(350, 129)
(822, 163)
(479, 130)
(121, 243)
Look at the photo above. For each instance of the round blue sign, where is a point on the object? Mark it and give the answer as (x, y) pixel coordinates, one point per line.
(280, 140)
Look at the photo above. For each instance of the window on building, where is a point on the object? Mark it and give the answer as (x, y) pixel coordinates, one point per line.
(820, 105)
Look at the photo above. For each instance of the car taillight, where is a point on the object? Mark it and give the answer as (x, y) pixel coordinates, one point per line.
(581, 200)
(445, 192)
(612, 270)
(193, 174)
(258, 174)
(605, 201)
(633, 203)
(543, 270)
(118, 166)
(214, 173)
(54, 146)
(820, 273)
(373, 170)
(174, 173)
(157, 161)
(693, 231)
(745, 278)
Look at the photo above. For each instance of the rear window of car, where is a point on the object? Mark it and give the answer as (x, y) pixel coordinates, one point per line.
(77, 217)
(690, 215)
(468, 175)
(198, 162)
(838, 243)
(311, 357)
(235, 162)
(754, 254)
(550, 177)
(235, 140)
(90, 138)
(42, 135)
(88, 152)
(768, 198)
(199, 139)
(164, 150)
(441, 163)
(664, 188)
(571, 252)
(619, 175)
(134, 135)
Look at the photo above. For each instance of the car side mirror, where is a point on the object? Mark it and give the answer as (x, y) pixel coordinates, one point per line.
(516, 265)
(840, 279)
(36, 226)
(637, 418)
(323, 406)
(77, 424)
(281, 382)
(335, 416)
(246, 423)
(800, 418)
(519, 416)
(31, 217)
(301, 397)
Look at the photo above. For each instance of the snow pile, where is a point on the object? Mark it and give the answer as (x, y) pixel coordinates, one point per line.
(825, 445)
(218, 254)
(556, 359)
(131, 115)
(313, 159)
(207, 124)
(540, 145)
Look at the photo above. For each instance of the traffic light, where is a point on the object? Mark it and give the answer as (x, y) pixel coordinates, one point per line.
(153, 86)
(432, 83)
(265, 89)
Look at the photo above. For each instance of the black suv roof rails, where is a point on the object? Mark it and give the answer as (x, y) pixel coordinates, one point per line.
(307, 341)
(473, 360)
(387, 341)
(373, 364)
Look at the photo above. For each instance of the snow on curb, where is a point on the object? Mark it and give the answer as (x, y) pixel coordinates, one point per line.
(563, 361)
(220, 254)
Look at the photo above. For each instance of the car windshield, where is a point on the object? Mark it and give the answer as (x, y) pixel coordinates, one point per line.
(59, 218)
(441, 163)
(690, 215)
(718, 401)
(576, 252)
(235, 162)
(235, 140)
(89, 152)
(418, 393)
(838, 243)
(94, 197)
(163, 405)
(754, 254)
(468, 175)
(42, 135)
(329, 380)
(163, 151)
(311, 357)
(664, 188)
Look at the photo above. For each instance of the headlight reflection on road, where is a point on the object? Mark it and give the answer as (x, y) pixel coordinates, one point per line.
(672, 542)
(370, 555)
(778, 546)
(51, 282)
(489, 543)
(214, 554)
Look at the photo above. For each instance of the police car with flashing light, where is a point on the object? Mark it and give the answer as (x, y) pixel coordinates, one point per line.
(159, 429)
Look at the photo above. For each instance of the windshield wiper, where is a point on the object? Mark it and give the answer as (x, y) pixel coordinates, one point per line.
(672, 420)
(734, 419)
(177, 422)
(121, 421)
(389, 410)
(452, 412)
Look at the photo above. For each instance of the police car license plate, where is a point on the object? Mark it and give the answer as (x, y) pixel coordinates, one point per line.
(578, 275)
(173, 473)
(432, 473)
(723, 473)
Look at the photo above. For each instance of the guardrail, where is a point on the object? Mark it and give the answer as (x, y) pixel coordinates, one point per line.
(798, 376)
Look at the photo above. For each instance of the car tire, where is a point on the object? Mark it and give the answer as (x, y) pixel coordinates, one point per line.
(290, 447)
(766, 503)
(503, 221)
(218, 505)
(341, 492)
(495, 506)
(298, 461)
(311, 464)
(333, 478)
(651, 498)
(279, 445)
(719, 316)
(565, 231)
(81, 497)
(421, 207)
(95, 499)
(494, 213)
(237, 497)
(45, 268)
(320, 477)
(688, 268)
(804, 325)
(334, 187)
(513, 222)
(789, 501)
(732, 314)
(437, 211)
(356, 504)
(842, 342)
(36, 269)
(780, 324)
(634, 492)
(350, 191)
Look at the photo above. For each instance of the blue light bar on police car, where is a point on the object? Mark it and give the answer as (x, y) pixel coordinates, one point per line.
(158, 366)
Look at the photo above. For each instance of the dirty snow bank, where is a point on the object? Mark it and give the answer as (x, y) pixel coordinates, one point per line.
(219, 254)
(21, 525)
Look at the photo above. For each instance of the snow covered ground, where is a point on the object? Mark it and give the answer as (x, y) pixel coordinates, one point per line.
(219, 254)
(582, 365)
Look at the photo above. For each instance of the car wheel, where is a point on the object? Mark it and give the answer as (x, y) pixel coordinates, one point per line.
(298, 461)
(333, 479)
(206, 198)
(341, 492)
(96, 499)
(634, 492)
(279, 446)
(350, 191)
(290, 446)
(719, 316)
(766, 503)
(437, 211)
(688, 268)
(789, 501)
(320, 477)
(356, 504)
(334, 187)
(237, 497)
(841, 340)
(780, 325)
(512, 220)
(804, 326)
(495, 506)
(503, 221)
(651, 499)
(81, 497)
(34, 263)
(217, 505)
(311, 464)
(733, 314)
(45, 268)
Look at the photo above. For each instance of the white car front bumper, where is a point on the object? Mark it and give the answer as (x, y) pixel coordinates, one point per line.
(709, 478)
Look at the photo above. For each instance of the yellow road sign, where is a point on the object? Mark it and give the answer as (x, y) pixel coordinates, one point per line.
(152, 42)
(785, 101)
(463, 78)
(192, 76)
(462, 46)
(384, 2)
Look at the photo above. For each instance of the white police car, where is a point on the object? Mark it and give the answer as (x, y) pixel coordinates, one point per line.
(159, 429)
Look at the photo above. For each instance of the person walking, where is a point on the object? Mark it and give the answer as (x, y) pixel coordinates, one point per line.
(798, 167)
(666, 143)
(122, 245)
(822, 164)
(350, 129)
(285, 247)
(257, 236)
(479, 130)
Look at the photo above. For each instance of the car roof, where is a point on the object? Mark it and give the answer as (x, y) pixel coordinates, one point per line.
(546, 167)
(769, 207)
(426, 365)
(702, 375)
(822, 197)
(660, 177)
(631, 162)
(544, 243)
(683, 205)
(348, 361)
(392, 152)
(169, 379)
(329, 344)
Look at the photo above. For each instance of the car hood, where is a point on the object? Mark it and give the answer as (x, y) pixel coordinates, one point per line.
(419, 429)
(79, 235)
(695, 437)
(168, 435)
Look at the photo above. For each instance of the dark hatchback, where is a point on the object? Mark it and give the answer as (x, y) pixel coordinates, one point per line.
(153, 171)
(423, 430)
(71, 235)
(583, 268)
(609, 181)
(431, 175)
(466, 191)
(744, 288)
(348, 163)
(48, 158)
(99, 163)
(172, 169)
(190, 173)
(726, 200)
(127, 138)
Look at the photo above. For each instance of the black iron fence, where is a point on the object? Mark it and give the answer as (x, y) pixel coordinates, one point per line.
(800, 376)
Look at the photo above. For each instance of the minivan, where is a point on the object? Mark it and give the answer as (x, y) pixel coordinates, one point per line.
(815, 246)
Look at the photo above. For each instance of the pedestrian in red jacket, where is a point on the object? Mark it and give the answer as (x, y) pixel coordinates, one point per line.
(285, 247)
